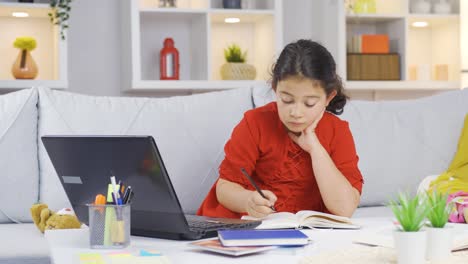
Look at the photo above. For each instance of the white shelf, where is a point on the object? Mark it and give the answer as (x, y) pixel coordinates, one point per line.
(200, 35)
(242, 11)
(24, 84)
(50, 54)
(373, 18)
(402, 85)
(173, 10)
(192, 85)
(436, 44)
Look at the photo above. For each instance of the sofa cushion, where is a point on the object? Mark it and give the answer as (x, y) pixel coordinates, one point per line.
(263, 94)
(401, 142)
(23, 243)
(19, 176)
(373, 211)
(190, 132)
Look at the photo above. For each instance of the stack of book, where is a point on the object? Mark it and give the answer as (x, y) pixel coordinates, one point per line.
(369, 44)
(369, 58)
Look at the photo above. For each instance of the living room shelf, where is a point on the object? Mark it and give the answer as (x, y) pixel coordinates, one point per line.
(433, 48)
(50, 54)
(201, 34)
(436, 44)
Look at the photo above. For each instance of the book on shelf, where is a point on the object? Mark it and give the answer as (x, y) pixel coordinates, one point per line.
(369, 44)
(214, 245)
(252, 237)
(304, 219)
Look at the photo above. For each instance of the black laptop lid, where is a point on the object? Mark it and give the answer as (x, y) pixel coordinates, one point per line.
(84, 165)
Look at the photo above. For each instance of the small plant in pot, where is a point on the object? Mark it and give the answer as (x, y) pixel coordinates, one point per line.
(439, 237)
(235, 67)
(410, 240)
(24, 66)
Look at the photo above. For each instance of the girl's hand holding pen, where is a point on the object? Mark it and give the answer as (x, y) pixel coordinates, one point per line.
(259, 207)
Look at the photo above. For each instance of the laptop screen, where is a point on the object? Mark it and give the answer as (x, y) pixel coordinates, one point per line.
(84, 165)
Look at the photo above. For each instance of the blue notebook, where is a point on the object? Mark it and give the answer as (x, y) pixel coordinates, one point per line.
(263, 237)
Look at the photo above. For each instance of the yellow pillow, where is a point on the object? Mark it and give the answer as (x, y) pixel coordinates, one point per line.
(455, 178)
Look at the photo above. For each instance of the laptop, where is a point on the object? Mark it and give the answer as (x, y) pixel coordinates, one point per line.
(84, 165)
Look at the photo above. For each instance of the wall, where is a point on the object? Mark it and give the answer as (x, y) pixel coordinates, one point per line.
(94, 47)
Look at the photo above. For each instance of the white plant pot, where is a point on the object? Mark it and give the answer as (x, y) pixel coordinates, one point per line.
(410, 247)
(421, 7)
(439, 243)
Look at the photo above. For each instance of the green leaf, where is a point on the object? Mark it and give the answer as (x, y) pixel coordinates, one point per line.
(409, 211)
(60, 14)
(439, 211)
(233, 53)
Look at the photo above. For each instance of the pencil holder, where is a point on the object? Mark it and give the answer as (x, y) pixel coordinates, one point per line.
(109, 226)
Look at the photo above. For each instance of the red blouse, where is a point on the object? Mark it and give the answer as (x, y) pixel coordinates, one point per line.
(261, 145)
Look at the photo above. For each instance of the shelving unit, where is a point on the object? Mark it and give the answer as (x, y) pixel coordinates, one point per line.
(50, 54)
(200, 34)
(437, 43)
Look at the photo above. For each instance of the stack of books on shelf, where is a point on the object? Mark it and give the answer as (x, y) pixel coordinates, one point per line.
(369, 58)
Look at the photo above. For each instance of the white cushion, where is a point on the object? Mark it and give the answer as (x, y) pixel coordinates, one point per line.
(423, 187)
(190, 132)
(373, 211)
(23, 243)
(19, 178)
(263, 94)
(401, 142)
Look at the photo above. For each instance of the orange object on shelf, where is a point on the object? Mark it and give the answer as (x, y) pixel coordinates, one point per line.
(169, 61)
(375, 44)
(441, 72)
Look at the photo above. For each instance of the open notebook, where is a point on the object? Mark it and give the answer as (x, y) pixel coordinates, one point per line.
(301, 219)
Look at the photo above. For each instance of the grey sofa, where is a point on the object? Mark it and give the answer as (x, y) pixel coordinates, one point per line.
(399, 143)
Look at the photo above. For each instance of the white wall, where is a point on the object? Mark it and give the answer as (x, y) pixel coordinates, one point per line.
(94, 47)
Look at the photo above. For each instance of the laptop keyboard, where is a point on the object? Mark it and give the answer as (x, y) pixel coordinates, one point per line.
(198, 223)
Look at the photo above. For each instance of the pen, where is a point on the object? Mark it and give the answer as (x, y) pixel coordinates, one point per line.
(256, 187)
(130, 196)
(118, 200)
(127, 194)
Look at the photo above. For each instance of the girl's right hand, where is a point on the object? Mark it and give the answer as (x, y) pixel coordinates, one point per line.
(259, 207)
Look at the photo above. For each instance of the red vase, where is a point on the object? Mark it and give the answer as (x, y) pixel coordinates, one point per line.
(169, 61)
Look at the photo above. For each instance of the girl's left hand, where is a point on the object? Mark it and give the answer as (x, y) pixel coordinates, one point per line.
(305, 140)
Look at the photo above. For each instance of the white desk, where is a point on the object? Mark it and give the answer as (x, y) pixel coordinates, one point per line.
(66, 245)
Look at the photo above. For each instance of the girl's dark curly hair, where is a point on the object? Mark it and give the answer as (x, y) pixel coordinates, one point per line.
(309, 59)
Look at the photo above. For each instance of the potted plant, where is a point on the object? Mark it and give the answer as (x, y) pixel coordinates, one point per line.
(60, 14)
(410, 240)
(439, 239)
(235, 67)
(24, 67)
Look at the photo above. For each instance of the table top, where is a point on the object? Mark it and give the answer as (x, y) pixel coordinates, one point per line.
(66, 245)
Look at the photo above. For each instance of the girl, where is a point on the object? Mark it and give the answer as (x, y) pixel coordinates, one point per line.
(301, 155)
